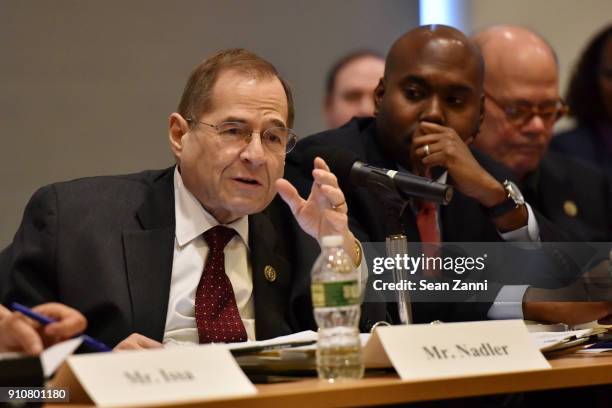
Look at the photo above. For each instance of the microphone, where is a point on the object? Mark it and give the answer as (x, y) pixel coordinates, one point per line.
(351, 171)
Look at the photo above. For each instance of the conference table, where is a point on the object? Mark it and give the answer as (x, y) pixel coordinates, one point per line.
(568, 370)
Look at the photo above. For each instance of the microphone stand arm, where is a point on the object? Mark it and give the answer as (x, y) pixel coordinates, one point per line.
(393, 205)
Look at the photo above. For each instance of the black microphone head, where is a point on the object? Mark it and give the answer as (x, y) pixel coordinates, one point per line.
(339, 160)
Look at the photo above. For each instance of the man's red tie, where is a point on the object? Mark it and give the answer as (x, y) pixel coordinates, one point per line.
(427, 223)
(216, 312)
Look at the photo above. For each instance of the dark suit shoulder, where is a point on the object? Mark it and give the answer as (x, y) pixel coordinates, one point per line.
(559, 163)
(350, 136)
(101, 201)
(103, 189)
(570, 140)
(342, 134)
(143, 179)
(582, 143)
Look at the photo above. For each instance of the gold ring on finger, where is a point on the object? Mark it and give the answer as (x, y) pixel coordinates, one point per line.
(335, 207)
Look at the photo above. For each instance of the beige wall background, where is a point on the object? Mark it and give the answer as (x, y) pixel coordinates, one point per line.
(87, 86)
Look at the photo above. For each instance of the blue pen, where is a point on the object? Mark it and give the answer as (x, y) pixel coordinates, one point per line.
(601, 345)
(90, 341)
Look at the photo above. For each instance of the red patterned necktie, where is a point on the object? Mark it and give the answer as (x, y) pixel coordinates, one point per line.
(216, 312)
(427, 223)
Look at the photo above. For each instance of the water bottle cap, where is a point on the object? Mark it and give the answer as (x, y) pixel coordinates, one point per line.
(331, 241)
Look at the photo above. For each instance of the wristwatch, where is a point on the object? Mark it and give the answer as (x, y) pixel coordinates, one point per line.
(513, 200)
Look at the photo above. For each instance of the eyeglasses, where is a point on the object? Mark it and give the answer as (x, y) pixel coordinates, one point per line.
(276, 139)
(520, 113)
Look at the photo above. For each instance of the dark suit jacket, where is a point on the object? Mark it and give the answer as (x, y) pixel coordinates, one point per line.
(584, 144)
(561, 180)
(104, 246)
(463, 220)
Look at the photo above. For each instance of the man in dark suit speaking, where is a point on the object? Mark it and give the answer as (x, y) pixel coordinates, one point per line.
(198, 252)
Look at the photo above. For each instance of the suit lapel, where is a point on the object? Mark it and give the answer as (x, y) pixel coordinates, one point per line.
(271, 279)
(148, 254)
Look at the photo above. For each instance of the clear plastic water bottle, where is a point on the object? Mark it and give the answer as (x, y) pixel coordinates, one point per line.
(336, 296)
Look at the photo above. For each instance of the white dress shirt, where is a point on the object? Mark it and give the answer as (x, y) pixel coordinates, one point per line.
(190, 251)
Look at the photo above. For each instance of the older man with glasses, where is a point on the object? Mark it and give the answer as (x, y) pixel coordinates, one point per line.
(522, 104)
(202, 251)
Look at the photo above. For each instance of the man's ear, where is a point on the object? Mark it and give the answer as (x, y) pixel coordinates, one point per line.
(327, 102)
(379, 92)
(480, 120)
(177, 128)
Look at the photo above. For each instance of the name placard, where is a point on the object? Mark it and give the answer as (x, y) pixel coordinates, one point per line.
(425, 351)
(155, 377)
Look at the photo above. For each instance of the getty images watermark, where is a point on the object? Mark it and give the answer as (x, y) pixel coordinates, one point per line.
(430, 269)
(478, 271)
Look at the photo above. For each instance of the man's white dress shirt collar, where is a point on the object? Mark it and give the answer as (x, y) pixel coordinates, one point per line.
(193, 220)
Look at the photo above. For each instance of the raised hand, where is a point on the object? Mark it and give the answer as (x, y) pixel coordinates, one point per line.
(324, 212)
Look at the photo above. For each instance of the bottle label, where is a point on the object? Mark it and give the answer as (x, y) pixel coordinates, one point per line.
(337, 293)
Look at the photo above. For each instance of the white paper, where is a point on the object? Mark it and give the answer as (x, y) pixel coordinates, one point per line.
(534, 327)
(548, 341)
(54, 356)
(307, 335)
(160, 376)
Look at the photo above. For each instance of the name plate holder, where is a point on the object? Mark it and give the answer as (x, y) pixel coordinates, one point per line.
(435, 351)
(153, 377)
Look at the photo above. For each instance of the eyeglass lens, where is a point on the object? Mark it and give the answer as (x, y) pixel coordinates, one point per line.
(549, 112)
(275, 139)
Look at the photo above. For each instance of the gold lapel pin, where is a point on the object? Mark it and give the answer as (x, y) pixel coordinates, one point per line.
(570, 208)
(270, 273)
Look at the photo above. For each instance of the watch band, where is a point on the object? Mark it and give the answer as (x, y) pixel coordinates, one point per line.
(502, 208)
(513, 200)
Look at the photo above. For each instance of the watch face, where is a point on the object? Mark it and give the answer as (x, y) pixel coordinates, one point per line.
(514, 192)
